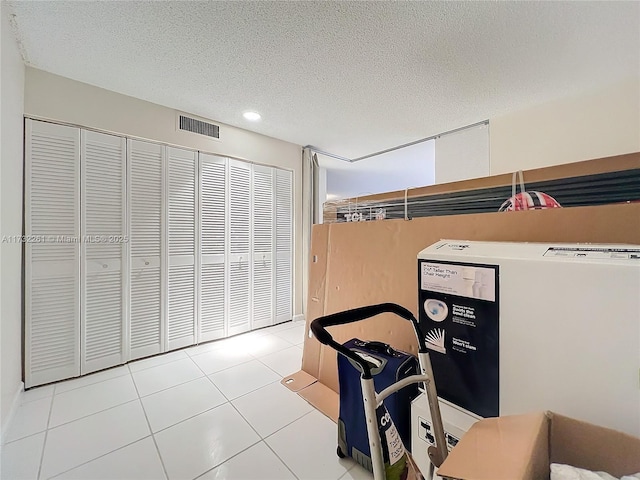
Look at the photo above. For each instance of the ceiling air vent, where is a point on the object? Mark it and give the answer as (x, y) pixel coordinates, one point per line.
(198, 126)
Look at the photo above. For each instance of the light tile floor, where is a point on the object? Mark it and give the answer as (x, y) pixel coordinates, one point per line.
(214, 411)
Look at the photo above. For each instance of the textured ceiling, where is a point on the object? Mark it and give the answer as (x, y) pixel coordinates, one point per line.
(350, 78)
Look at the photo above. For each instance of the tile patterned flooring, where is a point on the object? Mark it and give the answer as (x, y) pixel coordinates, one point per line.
(212, 411)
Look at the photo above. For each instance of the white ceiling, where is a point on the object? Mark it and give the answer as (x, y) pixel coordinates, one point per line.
(350, 78)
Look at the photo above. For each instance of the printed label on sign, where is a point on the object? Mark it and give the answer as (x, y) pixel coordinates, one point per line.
(463, 281)
(458, 320)
(394, 443)
(594, 253)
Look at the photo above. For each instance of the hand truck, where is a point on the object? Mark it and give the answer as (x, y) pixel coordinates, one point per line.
(372, 400)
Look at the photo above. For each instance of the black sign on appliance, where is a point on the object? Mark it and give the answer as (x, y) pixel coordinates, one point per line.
(458, 317)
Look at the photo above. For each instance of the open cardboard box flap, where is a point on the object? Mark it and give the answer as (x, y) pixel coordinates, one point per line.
(522, 447)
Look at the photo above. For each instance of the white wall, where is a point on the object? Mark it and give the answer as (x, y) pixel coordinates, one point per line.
(600, 124)
(11, 135)
(462, 155)
(52, 97)
(407, 167)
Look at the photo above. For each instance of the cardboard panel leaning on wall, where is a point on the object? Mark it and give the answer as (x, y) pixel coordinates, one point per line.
(589, 167)
(374, 262)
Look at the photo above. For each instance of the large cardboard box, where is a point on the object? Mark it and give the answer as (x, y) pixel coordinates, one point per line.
(364, 263)
(357, 264)
(522, 447)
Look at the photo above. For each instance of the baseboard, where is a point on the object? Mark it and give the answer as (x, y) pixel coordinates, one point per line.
(298, 318)
(12, 412)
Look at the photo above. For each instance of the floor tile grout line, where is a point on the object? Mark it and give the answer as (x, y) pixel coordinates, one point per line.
(164, 468)
(281, 460)
(287, 340)
(313, 409)
(176, 385)
(152, 435)
(189, 355)
(92, 414)
(194, 379)
(260, 437)
(189, 418)
(130, 372)
(129, 363)
(88, 384)
(91, 385)
(225, 461)
(241, 416)
(186, 355)
(272, 434)
(273, 353)
(99, 457)
(227, 368)
(5, 444)
(265, 331)
(257, 357)
(292, 324)
(288, 424)
(277, 373)
(169, 388)
(251, 391)
(254, 391)
(230, 402)
(46, 433)
(27, 402)
(283, 339)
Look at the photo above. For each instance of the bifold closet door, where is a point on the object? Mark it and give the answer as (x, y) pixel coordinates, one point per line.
(103, 267)
(262, 233)
(284, 245)
(239, 200)
(213, 241)
(52, 252)
(182, 314)
(146, 242)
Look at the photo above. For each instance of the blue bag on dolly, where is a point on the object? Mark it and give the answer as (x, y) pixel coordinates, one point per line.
(387, 367)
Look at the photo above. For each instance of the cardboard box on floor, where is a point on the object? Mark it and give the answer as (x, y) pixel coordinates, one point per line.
(522, 447)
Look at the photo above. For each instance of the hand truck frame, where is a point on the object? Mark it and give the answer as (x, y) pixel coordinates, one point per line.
(438, 452)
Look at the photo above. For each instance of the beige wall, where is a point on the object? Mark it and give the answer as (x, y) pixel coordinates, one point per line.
(52, 97)
(595, 125)
(11, 133)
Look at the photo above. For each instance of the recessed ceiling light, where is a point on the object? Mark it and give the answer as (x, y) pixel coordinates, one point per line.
(252, 116)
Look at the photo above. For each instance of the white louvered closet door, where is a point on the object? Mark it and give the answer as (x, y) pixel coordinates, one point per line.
(284, 245)
(103, 267)
(182, 315)
(262, 233)
(213, 241)
(52, 253)
(146, 227)
(239, 247)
